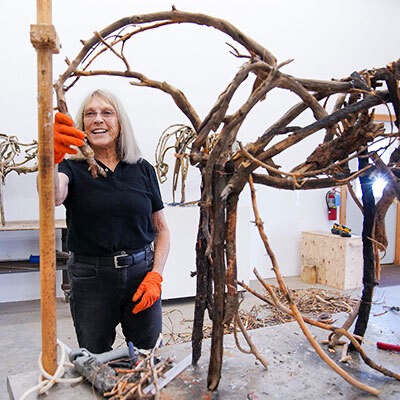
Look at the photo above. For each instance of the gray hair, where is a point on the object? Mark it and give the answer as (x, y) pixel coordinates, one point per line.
(127, 147)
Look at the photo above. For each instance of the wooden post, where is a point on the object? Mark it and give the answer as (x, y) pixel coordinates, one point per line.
(44, 39)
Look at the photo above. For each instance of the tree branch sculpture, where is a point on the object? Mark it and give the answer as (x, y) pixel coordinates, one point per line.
(348, 132)
(10, 152)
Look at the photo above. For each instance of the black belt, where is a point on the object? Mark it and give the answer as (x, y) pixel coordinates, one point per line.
(122, 260)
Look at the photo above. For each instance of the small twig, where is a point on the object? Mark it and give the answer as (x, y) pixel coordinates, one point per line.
(112, 49)
(345, 357)
(253, 348)
(347, 324)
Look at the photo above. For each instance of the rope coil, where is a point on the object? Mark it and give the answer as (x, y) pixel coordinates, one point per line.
(46, 380)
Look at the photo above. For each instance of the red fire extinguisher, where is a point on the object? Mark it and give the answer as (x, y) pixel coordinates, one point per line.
(332, 199)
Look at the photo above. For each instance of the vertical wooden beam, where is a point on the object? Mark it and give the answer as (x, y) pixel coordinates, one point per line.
(44, 11)
(44, 39)
(397, 237)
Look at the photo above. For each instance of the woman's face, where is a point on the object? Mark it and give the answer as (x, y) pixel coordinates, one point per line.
(101, 123)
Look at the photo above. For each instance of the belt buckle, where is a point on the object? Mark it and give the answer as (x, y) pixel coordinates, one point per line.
(116, 265)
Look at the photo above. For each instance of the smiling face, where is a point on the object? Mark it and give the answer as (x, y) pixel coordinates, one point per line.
(101, 124)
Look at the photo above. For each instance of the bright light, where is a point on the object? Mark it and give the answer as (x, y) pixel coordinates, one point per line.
(378, 187)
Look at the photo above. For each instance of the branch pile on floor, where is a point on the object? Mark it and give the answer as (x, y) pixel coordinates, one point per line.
(319, 304)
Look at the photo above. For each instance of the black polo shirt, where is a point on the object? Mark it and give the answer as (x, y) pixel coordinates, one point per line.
(109, 214)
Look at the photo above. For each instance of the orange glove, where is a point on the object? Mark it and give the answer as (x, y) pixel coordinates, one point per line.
(148, 292)
(65, 135)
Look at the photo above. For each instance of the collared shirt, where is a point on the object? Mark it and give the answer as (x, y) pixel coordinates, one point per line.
(113, 213)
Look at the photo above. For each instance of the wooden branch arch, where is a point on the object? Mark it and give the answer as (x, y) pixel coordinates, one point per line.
(349, 131)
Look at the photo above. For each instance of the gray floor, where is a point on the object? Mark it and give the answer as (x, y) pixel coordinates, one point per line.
(20, 346)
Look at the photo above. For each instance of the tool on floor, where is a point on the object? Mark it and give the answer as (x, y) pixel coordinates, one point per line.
(95, 369)
(343, 231)
(388, 346)
(98, 368)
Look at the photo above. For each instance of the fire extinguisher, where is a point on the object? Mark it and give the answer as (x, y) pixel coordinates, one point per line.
(332, 199)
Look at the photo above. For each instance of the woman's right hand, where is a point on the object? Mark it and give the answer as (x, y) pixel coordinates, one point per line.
(65, 135)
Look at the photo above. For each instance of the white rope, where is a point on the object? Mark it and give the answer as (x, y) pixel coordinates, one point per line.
(46, 384)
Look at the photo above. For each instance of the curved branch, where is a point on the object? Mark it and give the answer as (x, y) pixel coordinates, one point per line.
(173, 17)
(253, 349)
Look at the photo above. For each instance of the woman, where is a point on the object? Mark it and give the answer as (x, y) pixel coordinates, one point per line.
(112, 222)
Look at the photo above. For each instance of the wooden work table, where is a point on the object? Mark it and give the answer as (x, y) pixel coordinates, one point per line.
(26, 265)
(9, 266)
(31, 225)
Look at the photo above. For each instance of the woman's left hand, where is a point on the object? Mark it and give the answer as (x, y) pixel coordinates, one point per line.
(148, 292)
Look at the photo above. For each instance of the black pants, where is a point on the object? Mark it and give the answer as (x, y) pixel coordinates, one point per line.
(101, 298)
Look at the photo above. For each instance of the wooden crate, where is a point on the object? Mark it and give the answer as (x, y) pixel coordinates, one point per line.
(331, 260)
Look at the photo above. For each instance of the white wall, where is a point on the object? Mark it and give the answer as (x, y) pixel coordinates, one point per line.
(325, 39)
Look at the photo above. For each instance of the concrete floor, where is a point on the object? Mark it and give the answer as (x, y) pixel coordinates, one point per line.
(293, 363)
